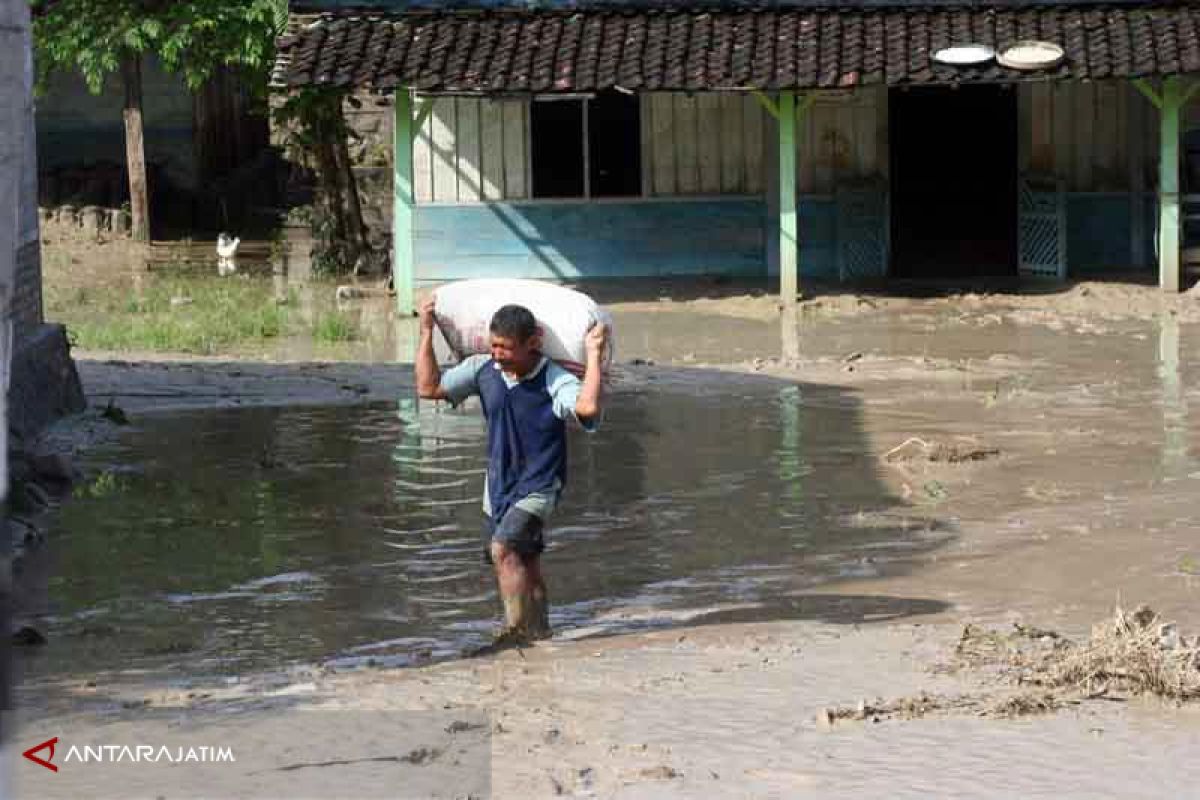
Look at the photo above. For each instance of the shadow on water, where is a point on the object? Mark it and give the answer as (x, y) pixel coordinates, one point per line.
(226, 541)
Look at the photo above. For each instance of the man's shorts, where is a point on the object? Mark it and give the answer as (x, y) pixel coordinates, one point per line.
(518, 530)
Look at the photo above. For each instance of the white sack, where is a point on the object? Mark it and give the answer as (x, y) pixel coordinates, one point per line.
(464, 311)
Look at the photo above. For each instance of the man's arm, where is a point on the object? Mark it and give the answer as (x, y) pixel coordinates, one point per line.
(587, 407)
(429, 375)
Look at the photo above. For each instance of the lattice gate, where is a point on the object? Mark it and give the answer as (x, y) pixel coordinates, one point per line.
(1042, 228)
(863, 232)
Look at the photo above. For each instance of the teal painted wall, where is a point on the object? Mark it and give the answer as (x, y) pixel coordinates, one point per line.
(567, 241)
(563, 241)
(1099, 227)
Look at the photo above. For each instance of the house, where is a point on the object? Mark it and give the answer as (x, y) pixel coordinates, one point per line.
(807, 138)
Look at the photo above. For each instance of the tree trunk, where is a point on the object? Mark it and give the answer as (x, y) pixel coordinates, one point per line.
(135, 149)
(356, 229)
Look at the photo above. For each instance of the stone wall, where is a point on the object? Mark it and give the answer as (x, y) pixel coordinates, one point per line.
(27, 294)
(371, 120)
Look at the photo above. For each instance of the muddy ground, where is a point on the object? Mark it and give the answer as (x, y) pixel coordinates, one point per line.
(1045, 433)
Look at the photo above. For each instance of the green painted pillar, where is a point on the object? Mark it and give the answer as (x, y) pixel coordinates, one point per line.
(789, 253)
(1168, 186)
(403, 205)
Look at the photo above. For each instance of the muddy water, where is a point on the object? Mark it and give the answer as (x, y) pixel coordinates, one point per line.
(245, 539)
(251, 539)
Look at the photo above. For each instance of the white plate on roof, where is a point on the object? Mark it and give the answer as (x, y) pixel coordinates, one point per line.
(964, 55)
(1031, 55)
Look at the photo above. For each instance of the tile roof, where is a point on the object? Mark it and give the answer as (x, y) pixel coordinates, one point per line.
(506, 52)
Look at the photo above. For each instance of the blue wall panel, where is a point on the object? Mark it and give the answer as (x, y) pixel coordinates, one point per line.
(566, 241)
(593, 240)
(1099, 227)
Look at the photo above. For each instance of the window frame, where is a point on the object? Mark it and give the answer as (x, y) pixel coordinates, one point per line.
(585, 99)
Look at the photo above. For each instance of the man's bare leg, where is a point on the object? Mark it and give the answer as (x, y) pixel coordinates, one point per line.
(539, 612)
(517, 587)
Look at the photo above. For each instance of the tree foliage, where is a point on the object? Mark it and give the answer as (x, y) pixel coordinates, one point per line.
(191, 37)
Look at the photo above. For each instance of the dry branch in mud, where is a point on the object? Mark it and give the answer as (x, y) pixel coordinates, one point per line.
(1129, 655)
(915, 449)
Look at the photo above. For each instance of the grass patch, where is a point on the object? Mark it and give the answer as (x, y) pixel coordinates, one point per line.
(187, 315)
(334, 327)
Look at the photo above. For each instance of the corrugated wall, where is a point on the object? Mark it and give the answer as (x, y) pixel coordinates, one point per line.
(471, 151)
(702, 144)
(1091, 135)
(842, 139)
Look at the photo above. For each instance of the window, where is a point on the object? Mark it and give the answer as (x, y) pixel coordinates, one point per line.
(587, 148)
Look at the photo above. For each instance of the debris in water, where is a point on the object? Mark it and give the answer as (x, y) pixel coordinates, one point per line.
(28, 636)
(914, 449)
(661, 773)
(114, 413)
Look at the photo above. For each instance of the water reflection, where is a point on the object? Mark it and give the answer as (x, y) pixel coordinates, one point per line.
(1175, 462)
(254, 538)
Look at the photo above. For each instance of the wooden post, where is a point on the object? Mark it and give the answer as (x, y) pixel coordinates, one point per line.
(1168, 187)
(135, 149)
(403, 203)
(789, 265)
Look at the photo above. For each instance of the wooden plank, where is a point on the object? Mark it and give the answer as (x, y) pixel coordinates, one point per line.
(1063, 163)
(806, 152)
(646, 138)
(491, 149)
(754, 128)
(403, 202)
(789, 253)
(445, 174)
(824, 135)
(687, 150)
(846, 165)
(662, 143)
(467, 150)
(883, 151)
(1136, 151)
(423, 160)
(866, 155)
(1121, 98)
(1041, 130)
(1084, 143)
(708, 135)
(1107, 121)
(733, 144)
(515, 170)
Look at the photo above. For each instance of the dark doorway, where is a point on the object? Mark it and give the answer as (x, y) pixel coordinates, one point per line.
(557, 137)
(615, 139)
(954, 182)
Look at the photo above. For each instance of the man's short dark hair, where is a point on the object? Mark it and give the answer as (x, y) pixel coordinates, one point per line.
(514, 322)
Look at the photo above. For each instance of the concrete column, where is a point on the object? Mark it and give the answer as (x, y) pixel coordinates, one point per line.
(403, 205)
(16, 106)
(1168, 186)
(789, 253)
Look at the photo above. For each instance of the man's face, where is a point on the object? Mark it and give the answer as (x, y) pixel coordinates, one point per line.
(512, 354)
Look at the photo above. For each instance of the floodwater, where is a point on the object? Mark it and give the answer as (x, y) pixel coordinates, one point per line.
(219, 542)
(243, 539)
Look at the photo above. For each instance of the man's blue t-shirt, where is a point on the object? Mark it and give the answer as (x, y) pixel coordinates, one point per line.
(526, 435)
